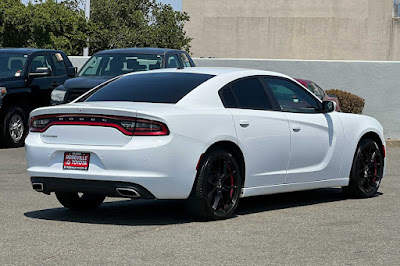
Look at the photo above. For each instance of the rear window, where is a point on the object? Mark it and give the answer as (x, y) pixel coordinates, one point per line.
(152, 88)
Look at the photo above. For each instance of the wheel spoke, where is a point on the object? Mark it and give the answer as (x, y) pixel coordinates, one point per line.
(229, 187)
(217, 200)
(210, 194)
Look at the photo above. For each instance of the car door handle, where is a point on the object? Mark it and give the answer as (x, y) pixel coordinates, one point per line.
(55, 84)
(244, 123)
(296, 127)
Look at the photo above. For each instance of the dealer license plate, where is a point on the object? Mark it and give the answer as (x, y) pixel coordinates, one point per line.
(76, 160)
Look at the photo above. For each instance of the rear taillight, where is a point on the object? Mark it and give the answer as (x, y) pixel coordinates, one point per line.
(144, 127)
(128, 126)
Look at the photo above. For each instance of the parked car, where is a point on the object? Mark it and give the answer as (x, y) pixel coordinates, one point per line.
(209, 135)
(105, 65)
(314, 88)
(27, 77)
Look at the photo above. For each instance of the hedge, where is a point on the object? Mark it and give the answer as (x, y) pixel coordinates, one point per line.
(349, 103)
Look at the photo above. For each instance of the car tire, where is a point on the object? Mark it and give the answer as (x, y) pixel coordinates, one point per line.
(14, 127)
(366, 172)
(216, 191)
(73, 201)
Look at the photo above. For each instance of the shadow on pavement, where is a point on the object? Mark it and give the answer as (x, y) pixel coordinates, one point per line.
(163, 212)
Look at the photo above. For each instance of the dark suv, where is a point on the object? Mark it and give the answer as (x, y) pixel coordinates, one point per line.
(105, 65)
(27, 77)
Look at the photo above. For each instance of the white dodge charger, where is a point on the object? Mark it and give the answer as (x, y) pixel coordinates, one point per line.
(208, 135)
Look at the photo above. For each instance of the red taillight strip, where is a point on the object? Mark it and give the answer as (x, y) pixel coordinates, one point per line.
(137, 131)
(99, 124)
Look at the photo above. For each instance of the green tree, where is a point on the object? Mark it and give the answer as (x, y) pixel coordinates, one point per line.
(136, 23)
(5, 5)
(45, 24)
(113, 24)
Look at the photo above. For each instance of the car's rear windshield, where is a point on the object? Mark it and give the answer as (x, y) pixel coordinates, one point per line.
(152, 88)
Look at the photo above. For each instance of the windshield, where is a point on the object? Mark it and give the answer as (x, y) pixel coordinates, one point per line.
(12, 65)
(118, 64)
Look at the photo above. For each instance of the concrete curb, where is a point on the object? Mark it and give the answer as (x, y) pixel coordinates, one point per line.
(393, 143)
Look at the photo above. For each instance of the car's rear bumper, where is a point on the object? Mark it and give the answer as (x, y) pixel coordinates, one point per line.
(106, 188)
(166, 167)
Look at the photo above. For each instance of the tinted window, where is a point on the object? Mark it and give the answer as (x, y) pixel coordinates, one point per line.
(227, 97)
(60, 68)
(40, 61)
(185, 60)
(12, 65)
(250, 94)
(154, 88)
(173, 61)
(291, 97)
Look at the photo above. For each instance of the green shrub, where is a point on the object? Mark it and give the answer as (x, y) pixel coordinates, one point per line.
(349, 103)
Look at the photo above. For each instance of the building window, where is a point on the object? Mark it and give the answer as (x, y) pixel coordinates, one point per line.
(396, 9)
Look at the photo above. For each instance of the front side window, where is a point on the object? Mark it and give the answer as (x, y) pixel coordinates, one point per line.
(291, 97)
(151, 88)
(249, 94)
(185, 60)
(40, 61)
(12, 65)
(316, 90)
(173, 61)
(112, 65)
(60, 67)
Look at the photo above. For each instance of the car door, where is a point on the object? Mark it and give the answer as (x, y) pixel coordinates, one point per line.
(42, 86)
(316, 138)
(263, 134)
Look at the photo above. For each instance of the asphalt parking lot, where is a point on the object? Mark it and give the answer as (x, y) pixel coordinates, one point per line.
(318, 227)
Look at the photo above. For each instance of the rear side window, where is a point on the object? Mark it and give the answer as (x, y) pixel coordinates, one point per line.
(152, 87)
(227, 97)
(250, 94)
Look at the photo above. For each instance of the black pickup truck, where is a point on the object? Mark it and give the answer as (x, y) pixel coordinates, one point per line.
(105, 65)
(27, 77)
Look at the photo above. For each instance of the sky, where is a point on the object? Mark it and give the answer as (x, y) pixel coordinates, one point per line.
(176, 4)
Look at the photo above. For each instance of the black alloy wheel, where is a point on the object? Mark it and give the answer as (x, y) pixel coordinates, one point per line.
(367, 170)
(76, 202)
(217, 188)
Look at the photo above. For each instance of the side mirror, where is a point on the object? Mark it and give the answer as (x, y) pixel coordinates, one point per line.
(40, 72)
(328, 106)
(71, 72)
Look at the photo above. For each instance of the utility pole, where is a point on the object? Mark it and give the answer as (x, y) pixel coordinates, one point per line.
(87, 16)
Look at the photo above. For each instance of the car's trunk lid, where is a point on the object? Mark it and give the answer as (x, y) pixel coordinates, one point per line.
(84, 124)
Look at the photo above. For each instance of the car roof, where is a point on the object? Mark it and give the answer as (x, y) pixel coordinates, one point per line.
(205, 95)
(215, 71)
(25, 50)
(145, 50)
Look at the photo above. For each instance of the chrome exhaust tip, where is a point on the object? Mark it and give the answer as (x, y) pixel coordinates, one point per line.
(37, 187)
(128, 192)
